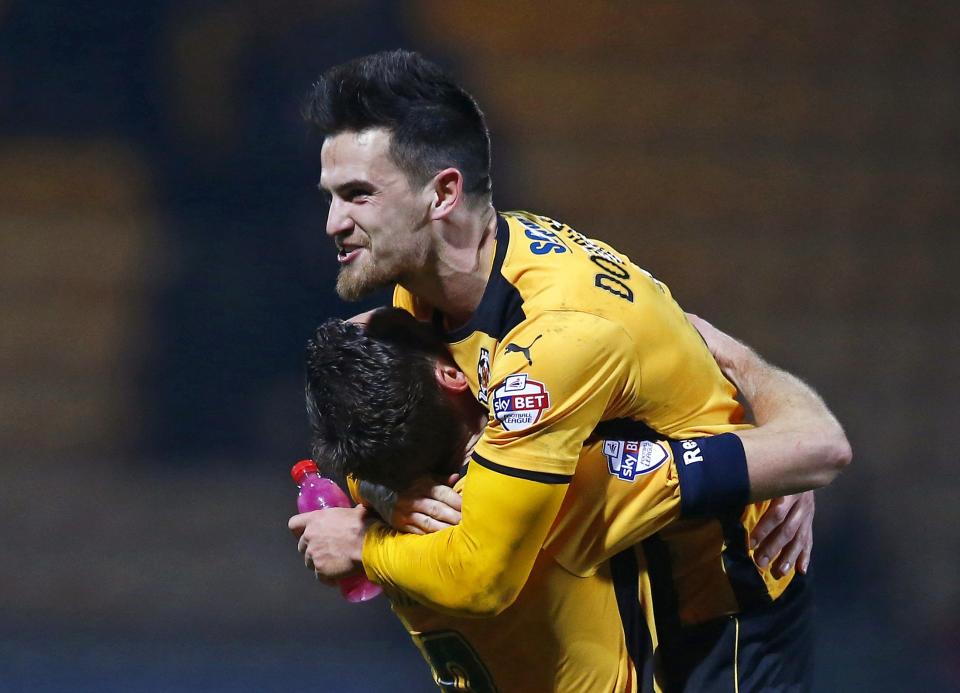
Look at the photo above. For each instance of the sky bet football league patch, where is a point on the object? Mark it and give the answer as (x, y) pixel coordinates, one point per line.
(520, 402)
(627, 459)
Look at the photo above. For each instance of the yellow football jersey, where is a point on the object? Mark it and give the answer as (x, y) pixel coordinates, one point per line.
(572, 343)
(564, 632)
(567, 631)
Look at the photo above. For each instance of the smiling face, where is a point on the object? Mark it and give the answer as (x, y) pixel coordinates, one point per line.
(378, 220)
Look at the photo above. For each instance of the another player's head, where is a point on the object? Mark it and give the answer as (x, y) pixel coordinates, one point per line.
(382, 400)
(404, 145)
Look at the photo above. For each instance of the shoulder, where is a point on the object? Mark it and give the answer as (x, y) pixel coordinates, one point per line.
(566, 331)
(553, 266)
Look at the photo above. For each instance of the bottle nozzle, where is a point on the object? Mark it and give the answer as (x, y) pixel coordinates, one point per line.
(302, 468)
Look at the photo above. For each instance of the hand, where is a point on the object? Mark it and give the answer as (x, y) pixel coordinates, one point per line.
(785, 533)
(331, 540)
(426, 507)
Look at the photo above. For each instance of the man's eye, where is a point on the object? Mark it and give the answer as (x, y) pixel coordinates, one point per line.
(356, 194)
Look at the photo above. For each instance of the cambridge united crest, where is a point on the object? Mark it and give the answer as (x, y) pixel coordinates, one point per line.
(483, 376)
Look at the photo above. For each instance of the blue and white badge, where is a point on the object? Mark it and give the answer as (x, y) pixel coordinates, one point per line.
(628, 459)
(520, 402)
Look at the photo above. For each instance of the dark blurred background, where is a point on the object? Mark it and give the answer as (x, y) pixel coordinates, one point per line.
(791, 170)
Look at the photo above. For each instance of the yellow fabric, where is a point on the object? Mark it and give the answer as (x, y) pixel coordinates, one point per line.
(353, 486)
(603, 515)
(487, 557)
(563, 632)
(604, 342)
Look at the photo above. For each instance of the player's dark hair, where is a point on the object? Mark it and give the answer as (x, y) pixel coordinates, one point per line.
(434, 123)
(375, 408)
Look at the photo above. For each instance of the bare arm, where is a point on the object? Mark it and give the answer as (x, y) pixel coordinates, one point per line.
(798, 444)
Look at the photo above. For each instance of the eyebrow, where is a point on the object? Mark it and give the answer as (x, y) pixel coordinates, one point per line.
(352, 183)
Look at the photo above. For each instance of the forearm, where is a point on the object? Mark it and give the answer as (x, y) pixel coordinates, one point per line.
(798, 444)
(478, 567)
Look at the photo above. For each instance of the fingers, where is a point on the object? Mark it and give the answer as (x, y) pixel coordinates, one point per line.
(447, 496)
(426, 513)
(787, 558)
(806, 543)
(796, 554)
(775, 514)
(803, 561)
(426, 524)
(297, 523)
(785, 532)
(785, 518)
(302, 546)
(444, 506)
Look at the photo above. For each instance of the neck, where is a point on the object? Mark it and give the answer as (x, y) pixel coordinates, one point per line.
(474, 417)
(476, 433)
(456, 271)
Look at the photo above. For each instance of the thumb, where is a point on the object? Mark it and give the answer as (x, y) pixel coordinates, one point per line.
(297, 523)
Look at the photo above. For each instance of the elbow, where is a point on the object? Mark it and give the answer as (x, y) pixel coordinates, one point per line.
(835, 456)
(844, 453)
(488, 596)
(490, 603)
(839, 453)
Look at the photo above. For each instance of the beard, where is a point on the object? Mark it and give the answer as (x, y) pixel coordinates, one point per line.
(360, 280)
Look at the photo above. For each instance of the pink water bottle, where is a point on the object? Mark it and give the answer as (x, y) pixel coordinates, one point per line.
(317, 493)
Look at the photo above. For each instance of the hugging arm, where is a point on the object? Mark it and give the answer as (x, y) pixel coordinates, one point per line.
(797, 445)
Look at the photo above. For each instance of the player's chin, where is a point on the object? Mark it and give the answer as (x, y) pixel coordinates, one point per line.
(354, 283)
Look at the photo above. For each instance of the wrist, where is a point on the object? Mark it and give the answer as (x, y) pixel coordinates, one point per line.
(356, 550)
(713, 474)
(373, 532)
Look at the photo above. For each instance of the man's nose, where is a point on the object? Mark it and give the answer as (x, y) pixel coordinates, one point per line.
(338, 221)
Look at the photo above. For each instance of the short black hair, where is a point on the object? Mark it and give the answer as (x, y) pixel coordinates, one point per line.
(434, 123)
(375, 408)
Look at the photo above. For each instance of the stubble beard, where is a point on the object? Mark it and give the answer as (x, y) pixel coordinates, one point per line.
(354, 283)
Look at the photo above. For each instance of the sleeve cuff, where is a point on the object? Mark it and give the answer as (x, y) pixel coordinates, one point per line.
(713, 474)
(372, 539)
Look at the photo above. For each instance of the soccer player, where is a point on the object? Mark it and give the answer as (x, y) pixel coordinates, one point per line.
(390, 405)
(561, 337)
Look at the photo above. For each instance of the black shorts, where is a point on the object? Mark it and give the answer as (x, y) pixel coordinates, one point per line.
(767, 648)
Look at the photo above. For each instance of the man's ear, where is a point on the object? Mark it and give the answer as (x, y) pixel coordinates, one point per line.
(447, 193)
(450, 378)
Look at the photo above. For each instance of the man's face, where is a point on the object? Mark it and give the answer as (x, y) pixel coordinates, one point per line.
(378, 221)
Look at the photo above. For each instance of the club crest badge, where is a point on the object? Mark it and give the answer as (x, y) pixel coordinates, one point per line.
(628, 459)
(520, 402)
(483, 376)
